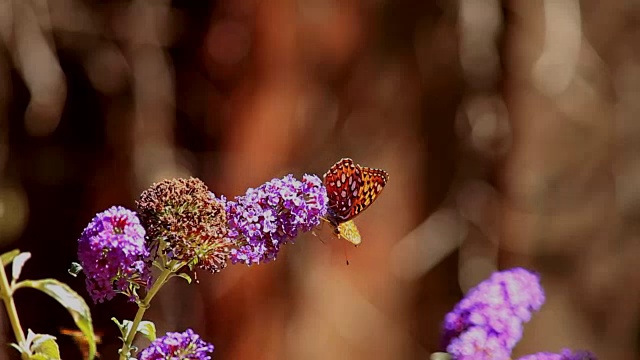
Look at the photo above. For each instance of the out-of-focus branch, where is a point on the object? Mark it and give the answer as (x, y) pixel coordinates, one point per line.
(27, 35)
(555, 68)
(154, 94)
(558, 182)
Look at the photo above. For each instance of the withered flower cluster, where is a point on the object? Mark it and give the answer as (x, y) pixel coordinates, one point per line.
(185, 222)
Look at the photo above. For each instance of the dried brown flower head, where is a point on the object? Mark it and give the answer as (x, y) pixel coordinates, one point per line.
(186, 222)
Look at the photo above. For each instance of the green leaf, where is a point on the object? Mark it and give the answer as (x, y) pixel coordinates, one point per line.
(39, 357)
(74, 303)
(17, 347)
(45, 345)
(146, 328)
(18, 263)
(440, 356)
(7, 257)
(184, 276)
(30, 336)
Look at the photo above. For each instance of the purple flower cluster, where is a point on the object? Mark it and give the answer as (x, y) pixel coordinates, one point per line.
(487, 323)
(267, 217)
(566, 354)
(112, 252)
(175, 346)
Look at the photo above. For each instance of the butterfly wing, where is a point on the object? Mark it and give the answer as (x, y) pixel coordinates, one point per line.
(373, 182)
(343, 182)
(348, 231)
(351, 189)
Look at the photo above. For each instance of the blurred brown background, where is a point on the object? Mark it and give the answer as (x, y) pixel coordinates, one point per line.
(508, 127)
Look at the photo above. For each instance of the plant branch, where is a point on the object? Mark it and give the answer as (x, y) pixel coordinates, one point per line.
(142, 307)
(6, 293)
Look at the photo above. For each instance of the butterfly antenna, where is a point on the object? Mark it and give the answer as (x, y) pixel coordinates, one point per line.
(324, 220)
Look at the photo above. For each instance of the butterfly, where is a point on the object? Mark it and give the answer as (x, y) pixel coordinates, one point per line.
(351, 188)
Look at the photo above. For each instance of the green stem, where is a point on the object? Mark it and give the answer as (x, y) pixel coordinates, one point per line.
(6, 293)
(142, 307)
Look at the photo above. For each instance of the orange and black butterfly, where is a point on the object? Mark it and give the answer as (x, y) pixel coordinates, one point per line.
(351, 188)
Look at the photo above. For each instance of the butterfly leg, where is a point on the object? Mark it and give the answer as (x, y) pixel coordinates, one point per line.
(318, 236)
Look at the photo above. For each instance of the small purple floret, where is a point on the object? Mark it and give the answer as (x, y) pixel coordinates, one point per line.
(175, 345)
(112, 252)
(272, 215)
(487, 323)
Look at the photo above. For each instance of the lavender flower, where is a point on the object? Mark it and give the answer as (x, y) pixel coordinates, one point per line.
(566, 354)
(175, 346)
(487, 323)
(112, 253)
(272, 215)
(186, 223)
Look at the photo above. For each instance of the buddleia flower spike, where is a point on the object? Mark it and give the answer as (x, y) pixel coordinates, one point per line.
(267, 217)
(112, 253)
(175, 345)
(488, 322)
